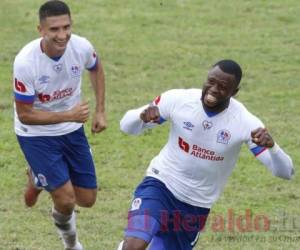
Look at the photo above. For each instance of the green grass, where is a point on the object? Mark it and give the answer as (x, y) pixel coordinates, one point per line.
(146, 48)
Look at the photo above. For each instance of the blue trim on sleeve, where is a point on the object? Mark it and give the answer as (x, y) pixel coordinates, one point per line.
(94, 66)
(257, 150)
(24, 98)
(161, 120)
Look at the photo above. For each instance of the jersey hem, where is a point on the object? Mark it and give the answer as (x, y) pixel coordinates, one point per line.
(195, 204)
(47, 133)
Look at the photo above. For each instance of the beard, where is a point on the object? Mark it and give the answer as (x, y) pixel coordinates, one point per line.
(219, 105)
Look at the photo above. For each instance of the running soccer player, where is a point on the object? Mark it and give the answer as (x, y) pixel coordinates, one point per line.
(49, 117)
(208, 128)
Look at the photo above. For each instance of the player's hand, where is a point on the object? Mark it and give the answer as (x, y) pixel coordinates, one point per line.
(261, 137)
(150, 114)
(80, 113)
(99, 122)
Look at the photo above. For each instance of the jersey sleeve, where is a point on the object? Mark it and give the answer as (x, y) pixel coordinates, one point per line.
(252, 123)
(90, 56)
(23, 82)
(275, 159)
(166, 104)
(131, 122)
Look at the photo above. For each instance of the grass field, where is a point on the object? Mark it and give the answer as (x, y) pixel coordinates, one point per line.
(146, 48)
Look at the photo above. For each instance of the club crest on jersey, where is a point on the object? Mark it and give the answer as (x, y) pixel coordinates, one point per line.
(207, 125)
(137, 202)
(44, 79)
(75, 70)
(57, 68)
(223, 136)
(188, 126)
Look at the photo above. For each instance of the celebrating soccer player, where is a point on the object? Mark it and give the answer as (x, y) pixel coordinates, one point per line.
(49, 117)
(208, 128)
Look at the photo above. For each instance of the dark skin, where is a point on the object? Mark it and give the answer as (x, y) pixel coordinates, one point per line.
(220, 86)
(216, 93)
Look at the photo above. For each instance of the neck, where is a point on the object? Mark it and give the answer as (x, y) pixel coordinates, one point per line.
(216, 109)
(48, 51)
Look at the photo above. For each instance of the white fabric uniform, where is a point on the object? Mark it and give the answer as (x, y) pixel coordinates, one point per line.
(202, 151)
(51, 85)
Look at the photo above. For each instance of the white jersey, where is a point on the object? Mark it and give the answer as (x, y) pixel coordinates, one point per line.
(202, 149)
(51, 84)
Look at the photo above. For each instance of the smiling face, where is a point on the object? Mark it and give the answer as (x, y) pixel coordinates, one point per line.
(56, 32)
(218, 89)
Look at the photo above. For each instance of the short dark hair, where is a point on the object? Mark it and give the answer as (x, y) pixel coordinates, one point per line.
(53, 8)
(230, 67)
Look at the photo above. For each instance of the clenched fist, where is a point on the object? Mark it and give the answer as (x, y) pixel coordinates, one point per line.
(150, 114)
(80, 113)
(261, 137)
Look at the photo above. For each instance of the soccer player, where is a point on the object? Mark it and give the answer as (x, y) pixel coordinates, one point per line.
(208, 128)
(49, 116)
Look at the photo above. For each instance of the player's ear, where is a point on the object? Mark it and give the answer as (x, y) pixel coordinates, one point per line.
(39, 28)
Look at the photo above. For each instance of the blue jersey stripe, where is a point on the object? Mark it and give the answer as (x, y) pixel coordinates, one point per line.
(94, 66)
(24, 98)
(161, 120)
(257, 150)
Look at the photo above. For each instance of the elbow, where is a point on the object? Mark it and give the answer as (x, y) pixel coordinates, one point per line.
(24, 118)
(127, 130)
(131, 123)
(123, 128)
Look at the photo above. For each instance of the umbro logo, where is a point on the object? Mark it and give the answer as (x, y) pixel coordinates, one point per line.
(44, 79)
(188, 125)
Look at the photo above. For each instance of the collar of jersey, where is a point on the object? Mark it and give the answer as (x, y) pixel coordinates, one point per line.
(210, 114)
(56, 58)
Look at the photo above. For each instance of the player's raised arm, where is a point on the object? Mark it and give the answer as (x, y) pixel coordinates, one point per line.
(135, 121)
(150, 114)
(274, 158)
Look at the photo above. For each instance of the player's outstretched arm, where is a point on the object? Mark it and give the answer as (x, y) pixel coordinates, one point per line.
(30, 116)
(135, 121)
(150, 114)
(275, 159)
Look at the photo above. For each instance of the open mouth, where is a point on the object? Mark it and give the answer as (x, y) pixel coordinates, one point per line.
(61, 44)
(210, 100)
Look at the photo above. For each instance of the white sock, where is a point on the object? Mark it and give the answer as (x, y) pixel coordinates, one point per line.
(120, 247)
(66, 226)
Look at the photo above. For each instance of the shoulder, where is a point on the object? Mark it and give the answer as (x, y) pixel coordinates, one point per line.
(28, 54)
(183, 93)
(79, 42)
(174, 99)
(78, 38)
(240, 112)
(237, 106)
